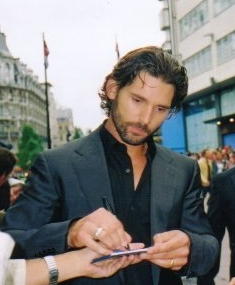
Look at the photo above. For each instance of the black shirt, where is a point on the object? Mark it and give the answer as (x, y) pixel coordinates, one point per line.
(132, 207)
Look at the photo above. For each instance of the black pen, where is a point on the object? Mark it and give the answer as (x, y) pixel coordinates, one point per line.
(107, 205)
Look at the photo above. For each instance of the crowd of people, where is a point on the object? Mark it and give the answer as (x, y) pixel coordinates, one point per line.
(115, 189)
(220, 159)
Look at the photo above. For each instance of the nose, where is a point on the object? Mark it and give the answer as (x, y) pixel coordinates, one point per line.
(146, 116)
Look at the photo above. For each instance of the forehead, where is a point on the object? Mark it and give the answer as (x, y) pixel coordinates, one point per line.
(150, 86)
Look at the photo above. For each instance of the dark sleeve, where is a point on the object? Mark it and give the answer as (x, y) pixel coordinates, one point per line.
(32, 219)
(215, 211)
(204, 245)
(217, 220)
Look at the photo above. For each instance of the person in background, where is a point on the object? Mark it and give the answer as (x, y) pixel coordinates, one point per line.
(7, 162)
(221, 213)
(231, 162)
(127, 187)
(205, 165)
(16, 188)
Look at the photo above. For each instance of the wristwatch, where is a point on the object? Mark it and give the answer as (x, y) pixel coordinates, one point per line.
(52, 269)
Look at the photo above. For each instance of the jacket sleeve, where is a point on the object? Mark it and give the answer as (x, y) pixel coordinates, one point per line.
(204, 246)
(32, 219)
(217, 221)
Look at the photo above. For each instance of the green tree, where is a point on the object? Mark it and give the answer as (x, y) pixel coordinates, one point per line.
(30, 145)
(78, 133)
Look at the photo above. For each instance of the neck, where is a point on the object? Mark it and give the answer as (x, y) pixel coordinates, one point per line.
(132, 150)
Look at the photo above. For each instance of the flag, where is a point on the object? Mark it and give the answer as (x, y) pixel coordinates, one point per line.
(117, 50)
(46, 53)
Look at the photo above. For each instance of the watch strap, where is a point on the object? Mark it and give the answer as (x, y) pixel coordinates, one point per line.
(52, 269)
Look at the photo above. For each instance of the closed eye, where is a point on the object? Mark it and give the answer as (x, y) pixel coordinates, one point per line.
(162, 109)
(136, 99)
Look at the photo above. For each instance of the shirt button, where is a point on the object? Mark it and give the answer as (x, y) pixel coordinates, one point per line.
(127, 170)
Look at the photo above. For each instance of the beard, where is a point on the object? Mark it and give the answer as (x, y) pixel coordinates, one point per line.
(122, 127)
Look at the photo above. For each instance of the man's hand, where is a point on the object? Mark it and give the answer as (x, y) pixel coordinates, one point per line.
(232, 281)
(170, 250)
(101, 231)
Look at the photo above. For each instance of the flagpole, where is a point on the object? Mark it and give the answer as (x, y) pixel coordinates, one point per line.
(117, 48)
(45, 52)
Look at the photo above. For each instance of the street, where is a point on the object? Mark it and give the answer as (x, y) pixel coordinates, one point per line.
(223, 275)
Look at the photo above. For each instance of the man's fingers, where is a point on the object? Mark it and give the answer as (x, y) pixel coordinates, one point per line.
(100, 225)
(98, 247)
(136, 245)
(165, 252)
(169, 235)
(173, 263)
(169, 241)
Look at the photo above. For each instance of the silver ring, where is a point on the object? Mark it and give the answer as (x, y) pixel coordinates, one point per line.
(98, 232)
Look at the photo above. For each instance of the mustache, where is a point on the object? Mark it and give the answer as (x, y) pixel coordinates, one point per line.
(143, 127)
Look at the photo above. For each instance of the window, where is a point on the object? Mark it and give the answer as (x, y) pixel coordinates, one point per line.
(194, 19)
(228, 101)
(199, 134)
(221, 5)
(199, 62)
(1, 95)
(226, 48)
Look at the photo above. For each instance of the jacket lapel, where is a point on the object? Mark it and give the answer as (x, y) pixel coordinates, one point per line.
(91, 168)
(162, 195)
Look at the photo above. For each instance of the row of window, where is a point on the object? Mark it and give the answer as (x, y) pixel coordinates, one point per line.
(202, 61)
(199, 16)
(199, 62)
(10, 73)
(203, 109)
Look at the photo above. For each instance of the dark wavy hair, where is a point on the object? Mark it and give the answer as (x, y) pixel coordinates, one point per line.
(155, 61)
(7, 161)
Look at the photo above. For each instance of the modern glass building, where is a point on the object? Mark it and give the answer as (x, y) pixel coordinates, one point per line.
(201, 33)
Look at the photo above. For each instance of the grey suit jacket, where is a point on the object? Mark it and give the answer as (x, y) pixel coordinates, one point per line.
(69, 182)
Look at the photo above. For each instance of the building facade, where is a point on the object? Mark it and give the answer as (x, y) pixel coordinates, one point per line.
(22, 100)
(201, 33)
(65, 125)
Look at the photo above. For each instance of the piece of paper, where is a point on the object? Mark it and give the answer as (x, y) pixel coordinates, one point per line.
(119, 253)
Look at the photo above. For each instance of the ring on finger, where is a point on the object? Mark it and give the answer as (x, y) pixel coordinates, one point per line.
(98, 232)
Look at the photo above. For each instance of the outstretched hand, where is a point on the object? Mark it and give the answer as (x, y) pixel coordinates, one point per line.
(170, 250)
(104, 268)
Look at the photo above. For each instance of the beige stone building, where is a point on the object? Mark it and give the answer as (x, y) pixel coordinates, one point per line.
(65, 125)
(22, 100)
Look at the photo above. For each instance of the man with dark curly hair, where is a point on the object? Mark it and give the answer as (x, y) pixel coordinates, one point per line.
(153, 193)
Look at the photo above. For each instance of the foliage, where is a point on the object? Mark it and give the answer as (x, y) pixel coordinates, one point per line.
(78, 133)
(30, 145)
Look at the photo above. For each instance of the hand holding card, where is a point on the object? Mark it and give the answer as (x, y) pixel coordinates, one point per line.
(119, 253)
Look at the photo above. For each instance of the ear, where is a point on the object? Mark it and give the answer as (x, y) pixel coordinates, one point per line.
(111, 89)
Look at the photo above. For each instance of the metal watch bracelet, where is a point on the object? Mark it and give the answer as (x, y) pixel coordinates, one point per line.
(52, 269)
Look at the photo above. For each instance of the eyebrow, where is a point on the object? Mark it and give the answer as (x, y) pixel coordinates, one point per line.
(144, 99)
